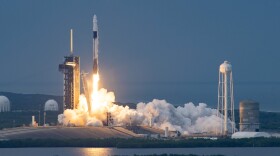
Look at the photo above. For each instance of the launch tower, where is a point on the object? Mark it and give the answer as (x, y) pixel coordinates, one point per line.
(71, 71)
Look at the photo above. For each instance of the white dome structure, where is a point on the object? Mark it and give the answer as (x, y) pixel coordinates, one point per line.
(4, 104)
(51, 105)
(241, 135)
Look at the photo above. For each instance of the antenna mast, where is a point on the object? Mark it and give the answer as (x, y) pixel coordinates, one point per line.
(71, 41)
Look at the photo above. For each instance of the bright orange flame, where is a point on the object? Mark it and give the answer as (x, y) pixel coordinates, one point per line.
(94, 96)
(98, 99)
(95, 82)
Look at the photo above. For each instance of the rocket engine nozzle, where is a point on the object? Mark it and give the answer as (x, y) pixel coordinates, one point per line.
(95, 66)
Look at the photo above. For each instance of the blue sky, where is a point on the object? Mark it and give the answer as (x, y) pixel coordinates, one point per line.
(148, 49)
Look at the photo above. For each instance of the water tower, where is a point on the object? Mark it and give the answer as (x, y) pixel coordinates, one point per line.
(225, 108)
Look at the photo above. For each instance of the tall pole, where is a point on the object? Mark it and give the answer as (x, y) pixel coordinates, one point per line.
(39, 118)
(232, 104)
(44, 118)
(226, 103)
(71, 41)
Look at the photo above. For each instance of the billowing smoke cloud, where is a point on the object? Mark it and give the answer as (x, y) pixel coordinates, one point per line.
(188, 118)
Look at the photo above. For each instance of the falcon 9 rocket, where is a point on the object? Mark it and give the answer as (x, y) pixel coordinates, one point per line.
(95, 45)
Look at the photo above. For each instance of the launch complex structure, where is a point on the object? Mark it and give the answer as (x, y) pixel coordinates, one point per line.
(71, 71)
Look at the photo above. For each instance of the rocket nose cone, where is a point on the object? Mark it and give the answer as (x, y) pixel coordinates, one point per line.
(95, 28)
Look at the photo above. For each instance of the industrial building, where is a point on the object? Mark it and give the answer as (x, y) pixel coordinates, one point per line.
(71, 71)
(249, 125)
(4, 104)
(249, 116)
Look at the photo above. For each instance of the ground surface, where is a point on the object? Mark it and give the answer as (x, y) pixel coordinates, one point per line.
(66, 133)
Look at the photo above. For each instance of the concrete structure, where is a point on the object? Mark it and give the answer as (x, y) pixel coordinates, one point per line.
(53, 132)
(225, 108)
(71, 70)
(66, 133)
(241, 135)
(51, 105)
(4, 104)
(249, 116)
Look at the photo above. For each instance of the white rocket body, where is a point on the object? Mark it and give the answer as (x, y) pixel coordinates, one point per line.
(95, 45)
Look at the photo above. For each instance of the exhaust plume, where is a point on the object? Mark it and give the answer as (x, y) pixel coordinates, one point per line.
(188, 118)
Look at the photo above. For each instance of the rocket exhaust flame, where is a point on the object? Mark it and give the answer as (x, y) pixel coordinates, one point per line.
(95, 100)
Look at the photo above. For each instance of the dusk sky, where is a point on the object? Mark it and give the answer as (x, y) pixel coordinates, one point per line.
(162, 49)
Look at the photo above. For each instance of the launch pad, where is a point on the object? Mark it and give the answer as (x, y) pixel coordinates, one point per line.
(96, 107)
(58, 132)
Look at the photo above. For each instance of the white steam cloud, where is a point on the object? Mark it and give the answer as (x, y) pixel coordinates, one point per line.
(188, 118)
